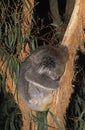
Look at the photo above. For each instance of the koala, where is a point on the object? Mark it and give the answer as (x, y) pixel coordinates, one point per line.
(40, 76)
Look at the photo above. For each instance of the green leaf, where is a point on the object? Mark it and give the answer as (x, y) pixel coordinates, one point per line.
(33, 44)
(6, 124)
(41, 120)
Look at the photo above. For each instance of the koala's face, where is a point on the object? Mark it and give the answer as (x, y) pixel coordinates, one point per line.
(51, 67)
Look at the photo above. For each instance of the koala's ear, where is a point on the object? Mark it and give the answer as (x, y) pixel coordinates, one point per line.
(39, 53)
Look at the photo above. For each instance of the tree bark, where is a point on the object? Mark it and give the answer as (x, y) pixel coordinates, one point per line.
(27, 16)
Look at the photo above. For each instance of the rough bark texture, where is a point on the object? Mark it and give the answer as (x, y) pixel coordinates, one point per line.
(73, 38)
(27, 13)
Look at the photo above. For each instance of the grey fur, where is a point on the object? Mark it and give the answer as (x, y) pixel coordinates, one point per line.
(40, 75)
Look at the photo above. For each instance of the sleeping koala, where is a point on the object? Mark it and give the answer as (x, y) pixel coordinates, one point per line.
(40, 76)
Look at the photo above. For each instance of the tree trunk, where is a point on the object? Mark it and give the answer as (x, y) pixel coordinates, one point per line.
(26, 16)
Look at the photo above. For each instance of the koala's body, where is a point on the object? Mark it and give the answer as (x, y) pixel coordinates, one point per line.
(40, 75)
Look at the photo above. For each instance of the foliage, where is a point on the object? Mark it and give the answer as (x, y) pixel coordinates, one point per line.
(11, 41)
(43, 30)
(76, 110)
(41, 120)
(10, 114)
(10, 36)
(42, 34)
